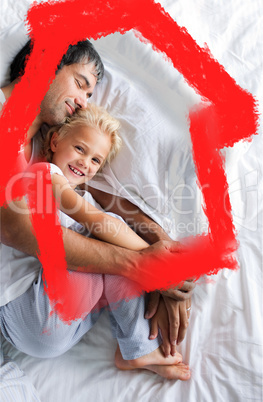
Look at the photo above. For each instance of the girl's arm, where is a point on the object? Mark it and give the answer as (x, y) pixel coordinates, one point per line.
(101, 225)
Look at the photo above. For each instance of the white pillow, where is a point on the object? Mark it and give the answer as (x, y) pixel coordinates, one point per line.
(11, 41)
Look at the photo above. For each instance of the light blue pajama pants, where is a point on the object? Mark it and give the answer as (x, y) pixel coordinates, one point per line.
(27, 324)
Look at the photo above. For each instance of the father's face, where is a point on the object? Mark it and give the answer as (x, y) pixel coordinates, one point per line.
(69, 91)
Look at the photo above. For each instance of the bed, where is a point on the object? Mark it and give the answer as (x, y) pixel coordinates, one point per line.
(223, 345)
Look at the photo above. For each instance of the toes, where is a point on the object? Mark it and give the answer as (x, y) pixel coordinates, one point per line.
(178, 372)
(178, 358)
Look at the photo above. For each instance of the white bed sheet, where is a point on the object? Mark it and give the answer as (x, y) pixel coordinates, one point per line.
(223, 345)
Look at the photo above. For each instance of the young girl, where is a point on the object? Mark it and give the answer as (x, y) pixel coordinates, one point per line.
(77, 150)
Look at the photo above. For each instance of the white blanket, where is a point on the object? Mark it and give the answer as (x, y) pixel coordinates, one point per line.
(223, 345)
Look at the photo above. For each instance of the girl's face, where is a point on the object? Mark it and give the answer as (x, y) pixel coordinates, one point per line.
(80, 153)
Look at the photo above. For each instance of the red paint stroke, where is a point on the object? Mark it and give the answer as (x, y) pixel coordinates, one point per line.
(230, 117)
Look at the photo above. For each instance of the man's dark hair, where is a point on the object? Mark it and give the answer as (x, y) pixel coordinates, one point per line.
(75, 54)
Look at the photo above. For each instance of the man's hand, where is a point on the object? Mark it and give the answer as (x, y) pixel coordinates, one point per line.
(171, 317)
(178, 313)
(177, 294)
(181, 293)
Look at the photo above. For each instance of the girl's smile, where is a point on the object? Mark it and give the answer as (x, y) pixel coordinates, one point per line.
(80, 153)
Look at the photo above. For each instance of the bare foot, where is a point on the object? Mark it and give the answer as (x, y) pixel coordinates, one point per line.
(170, 367)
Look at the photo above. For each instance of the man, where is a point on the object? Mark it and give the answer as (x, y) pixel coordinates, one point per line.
(76, 77)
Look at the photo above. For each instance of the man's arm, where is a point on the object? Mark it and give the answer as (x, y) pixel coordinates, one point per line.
(90, 254)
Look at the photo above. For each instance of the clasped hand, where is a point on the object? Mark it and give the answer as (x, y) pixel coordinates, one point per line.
(169, 311)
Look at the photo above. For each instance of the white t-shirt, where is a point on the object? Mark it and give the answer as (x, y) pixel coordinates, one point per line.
(19, 270)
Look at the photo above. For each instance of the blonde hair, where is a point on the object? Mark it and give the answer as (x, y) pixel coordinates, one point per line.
(93, 116)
